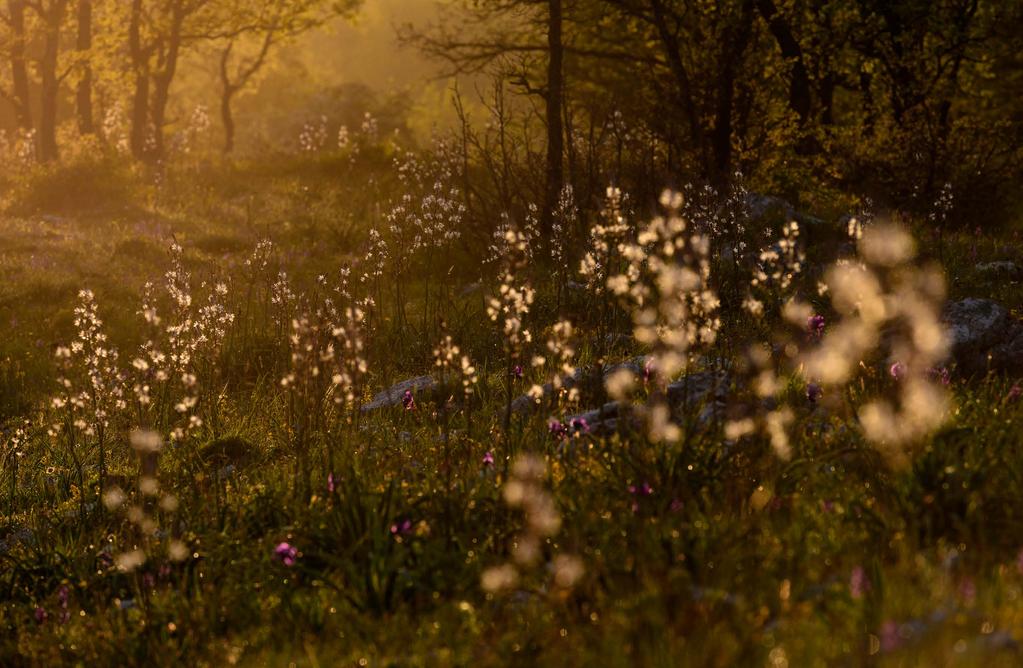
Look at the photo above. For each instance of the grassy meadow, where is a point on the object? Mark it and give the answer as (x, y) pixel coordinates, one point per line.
(255, 514)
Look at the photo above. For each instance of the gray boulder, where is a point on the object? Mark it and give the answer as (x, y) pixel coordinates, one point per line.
(706, 390)
(393, 395)
(984, 337)
(1002, 269)
(584, 377)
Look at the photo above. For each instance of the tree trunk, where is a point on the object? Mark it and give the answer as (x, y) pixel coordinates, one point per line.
(140, 99)
(673, 54)
(83, 94)
(229, 88)
(162, 81)
(19, 69)
(50, 83)
(799, 86)
(721, 138)
(227, 118)
(227, 91)
(555, 176)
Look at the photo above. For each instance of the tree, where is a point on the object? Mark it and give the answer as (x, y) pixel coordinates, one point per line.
(51, 15)
(257, 27)
(83, 91)
(18, 93)
(158, 32)
(521, 36)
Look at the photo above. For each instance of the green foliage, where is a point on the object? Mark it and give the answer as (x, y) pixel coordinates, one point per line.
(76, 187)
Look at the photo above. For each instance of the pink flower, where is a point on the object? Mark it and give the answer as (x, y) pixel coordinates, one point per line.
(401, 528)
(815, 325)
(331, 483)
(62, 599)
(968, 590)
(286, 554)
(649, 369)
(890, 638)
(488, 458)
(639, 491)
(897, 370)
(408, 401)
(40, 615)
(580, 425)
(814, 393)
(1014, 393)
(941, 375)
(858, 582)
(642, 490)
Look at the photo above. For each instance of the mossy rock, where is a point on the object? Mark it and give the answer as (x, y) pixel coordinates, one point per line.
(229, 451)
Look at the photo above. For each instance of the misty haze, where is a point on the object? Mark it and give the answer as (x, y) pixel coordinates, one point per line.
(511, 332)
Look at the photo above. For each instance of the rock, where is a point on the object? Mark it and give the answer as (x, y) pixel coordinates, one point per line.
(708, 389)
(582, 377)
(984, 337)
(1002, 269)
(393, 395)
(17, 536)
(976, 324)
(228, 452)
(601, 421)
(768, 208)
(526, 404)
(696, 388)
(761, 207)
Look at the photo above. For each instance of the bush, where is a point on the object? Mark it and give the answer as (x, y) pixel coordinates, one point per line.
(93, 182)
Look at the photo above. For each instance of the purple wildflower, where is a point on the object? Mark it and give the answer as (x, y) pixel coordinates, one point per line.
(639, 491)
(676, 506)
(517, 372)
(897, 370)
(814, 392)
(940, 374)
(40, 615)
(642, 490)
(62, 599)
(968, 590)
(488, 458)
(815, 325)
(859, 583)
(286, 554)
(408, 401)
(1015, 392)
(401, 528)
(558, 430)
(890, 638)
(580, 425)
(649, 370)
(331, 483)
